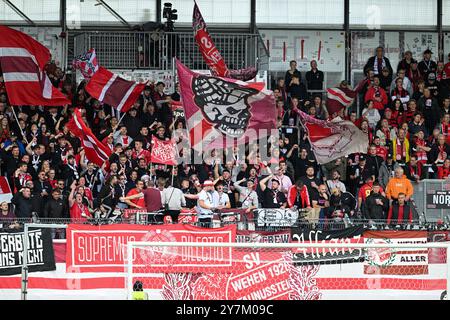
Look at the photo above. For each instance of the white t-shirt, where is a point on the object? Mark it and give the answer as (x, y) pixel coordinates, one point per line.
(223, 199)
(211, 199)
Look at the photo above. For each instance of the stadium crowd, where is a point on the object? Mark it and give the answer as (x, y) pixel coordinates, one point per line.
(406, 115)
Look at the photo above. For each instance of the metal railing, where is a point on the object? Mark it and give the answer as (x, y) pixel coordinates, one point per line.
(155, 50)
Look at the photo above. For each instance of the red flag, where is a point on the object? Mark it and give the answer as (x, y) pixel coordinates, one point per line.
(211, 54)
(220, 112)
(111, 89)
(86, 63)
(22, 60)
(95, 151)
(163, 152)
(331, 140)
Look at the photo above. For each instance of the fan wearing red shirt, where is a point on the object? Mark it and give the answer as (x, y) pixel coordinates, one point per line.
(382, 151)
(444, 171)
(78, 210)
(140, 153)
(137, 203)
(377, 95)
(365, 191)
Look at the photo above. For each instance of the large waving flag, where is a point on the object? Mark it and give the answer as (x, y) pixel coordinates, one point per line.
(111, 89)
(211, 54)
(86, 63)
(331, 140)
(342, 96)
(221, 111)
(95, 151)
(22, 60)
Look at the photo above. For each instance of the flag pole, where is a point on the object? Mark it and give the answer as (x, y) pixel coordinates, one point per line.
(119, 121)
(18, 124)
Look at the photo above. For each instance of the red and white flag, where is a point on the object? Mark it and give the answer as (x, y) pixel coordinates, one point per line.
(342, 97)
(333, 139)
(86, 63)
(211, 54)
(221, 112)
(111, 89)
(22, 61)
(163, 152)
(95, 151)
(5, 190)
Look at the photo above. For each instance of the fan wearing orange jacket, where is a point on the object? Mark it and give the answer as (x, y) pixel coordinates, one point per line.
(399, 184)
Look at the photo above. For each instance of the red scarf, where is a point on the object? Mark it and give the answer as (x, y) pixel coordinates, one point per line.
(442, 154)
(421, 155)
(445, 129)
(401, 146)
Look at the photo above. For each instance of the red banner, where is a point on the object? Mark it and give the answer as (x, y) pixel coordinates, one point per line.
(103, 248)
(163, 152)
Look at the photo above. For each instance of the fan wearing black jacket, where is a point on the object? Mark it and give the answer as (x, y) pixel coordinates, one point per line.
(377, 205)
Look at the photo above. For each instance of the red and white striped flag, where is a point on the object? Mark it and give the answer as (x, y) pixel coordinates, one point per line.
(331, 140)
(22, 60)
(111, 89)
(5, 190)
(95, 151)
(342, 97)
(86, 63)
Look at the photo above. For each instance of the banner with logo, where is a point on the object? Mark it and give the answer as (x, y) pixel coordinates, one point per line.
(40, 251)
(103, 248)
(396, 261)
(163, 152)
(327, 255)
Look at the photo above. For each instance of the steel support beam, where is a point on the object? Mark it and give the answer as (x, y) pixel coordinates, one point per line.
(114, 13)
(20, 13)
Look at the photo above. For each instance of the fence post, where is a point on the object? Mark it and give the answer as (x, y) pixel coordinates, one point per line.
(448, 270)
(25, 263)
(129, 270)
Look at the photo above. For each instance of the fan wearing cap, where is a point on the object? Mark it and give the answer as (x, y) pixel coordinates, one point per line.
(432, 85)
(273, 197)
(427, 66)
(414, 75)
(207, 202)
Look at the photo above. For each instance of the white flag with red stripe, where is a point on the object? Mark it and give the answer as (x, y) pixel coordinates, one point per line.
(96, 151)
(22, 61)
(5, 190)
(111, 89)
(331, 140)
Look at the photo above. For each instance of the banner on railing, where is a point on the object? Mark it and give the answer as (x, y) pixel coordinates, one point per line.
(263, 236)
(437, 199)
(395, 261)
(276, 217)
(104, 248)
(327, 255)
(40, 251)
